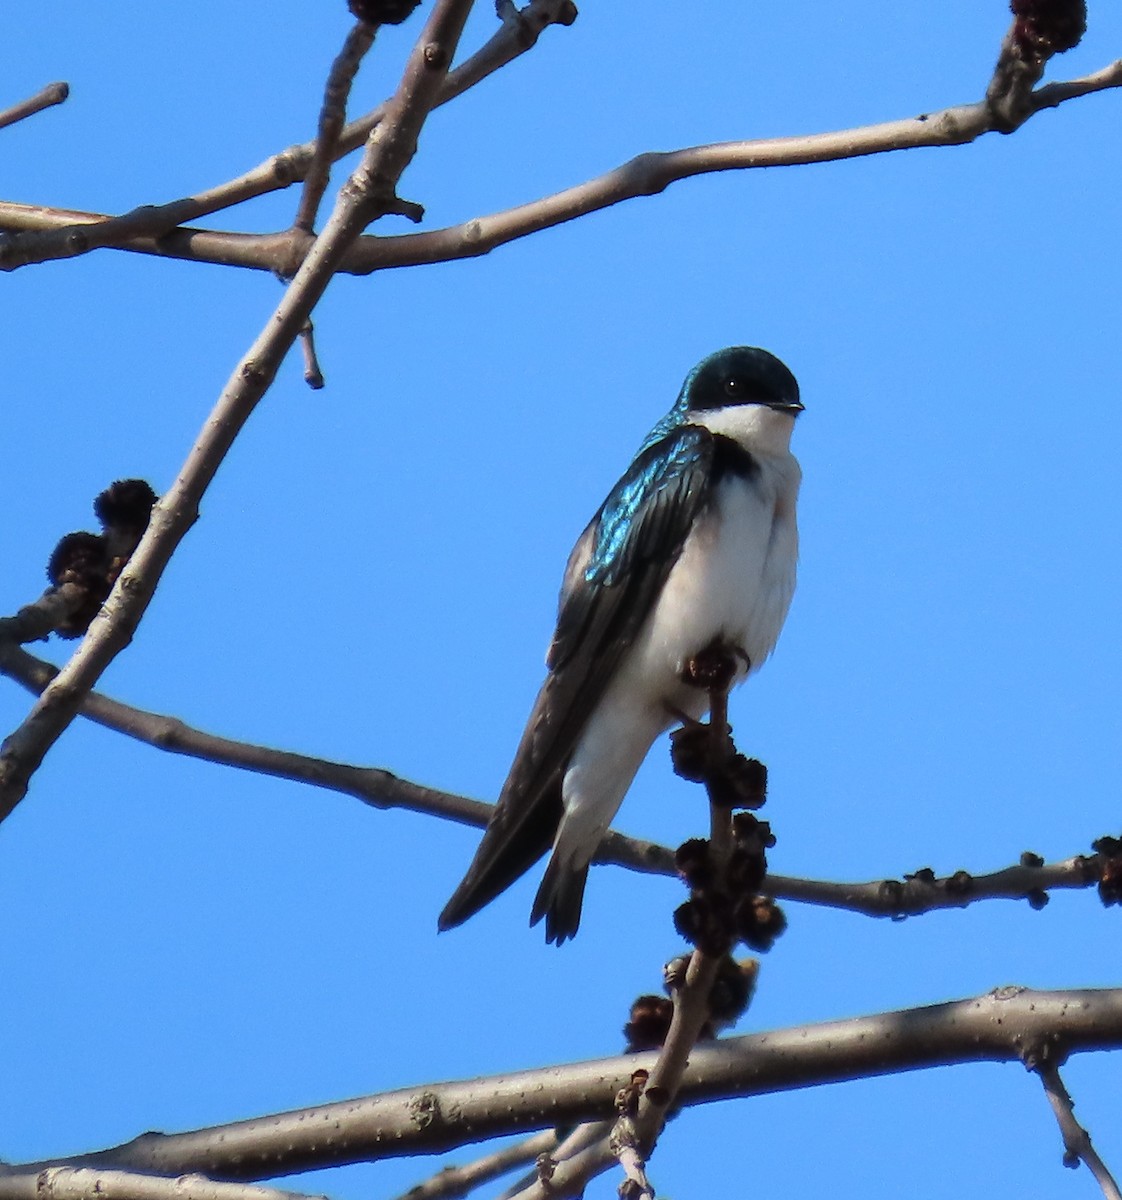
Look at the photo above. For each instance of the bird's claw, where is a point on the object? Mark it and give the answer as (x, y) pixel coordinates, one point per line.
(714, 668)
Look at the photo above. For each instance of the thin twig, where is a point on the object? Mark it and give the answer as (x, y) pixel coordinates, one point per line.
(917, 894)
(924, 891)
(84, 1183)
(52, 94)
(691, 1014)
(646, 175)
(434, 1118)
(144, 227)
(368, 194)
(313, 375)
(578, 1139)
(1077, 1141)
(332, 117)
(451, 1182)
(379, 788)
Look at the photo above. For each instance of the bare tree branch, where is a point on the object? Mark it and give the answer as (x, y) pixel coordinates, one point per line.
(924, 891)
(332, 118)
(79, 233)
(52, 94)
(576, 1141)
(646, 175)
(36, 621)
(994, 1027)
(84, 1183)
(633, 1137)
(1077, 1141)
(372, 785)
(651, 173)
(1038, 32)
(918, 893)
(451, 1182)
(368, 194)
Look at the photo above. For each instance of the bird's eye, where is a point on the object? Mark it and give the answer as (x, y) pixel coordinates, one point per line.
(732, 387)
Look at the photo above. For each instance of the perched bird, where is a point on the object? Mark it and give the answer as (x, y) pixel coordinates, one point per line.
(695, 544)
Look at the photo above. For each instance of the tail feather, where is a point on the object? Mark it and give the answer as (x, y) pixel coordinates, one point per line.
(559, 900)
(508, 850)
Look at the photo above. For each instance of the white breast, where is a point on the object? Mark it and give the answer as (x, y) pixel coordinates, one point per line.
(734, 580)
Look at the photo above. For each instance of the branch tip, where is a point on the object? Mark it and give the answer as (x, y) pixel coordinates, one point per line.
(47, 97)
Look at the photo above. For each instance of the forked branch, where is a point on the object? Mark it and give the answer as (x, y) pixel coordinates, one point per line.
(646, 175)
(368, 194)
(1077, 1141)
(59, 233)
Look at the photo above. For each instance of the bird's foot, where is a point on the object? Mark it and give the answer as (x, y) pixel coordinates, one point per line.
(714, 668)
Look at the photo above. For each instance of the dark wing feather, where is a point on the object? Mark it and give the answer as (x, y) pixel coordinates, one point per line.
(614, 575)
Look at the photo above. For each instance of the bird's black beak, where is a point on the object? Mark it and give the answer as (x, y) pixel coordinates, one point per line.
(794, 407)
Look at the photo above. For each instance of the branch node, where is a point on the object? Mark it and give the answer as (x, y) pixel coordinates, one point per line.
(625, 1141)
(544, 1167)
(1040, 29)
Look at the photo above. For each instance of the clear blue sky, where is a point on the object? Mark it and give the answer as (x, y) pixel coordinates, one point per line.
(375, 571)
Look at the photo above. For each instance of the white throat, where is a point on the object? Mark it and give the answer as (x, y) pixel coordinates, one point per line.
(756, 427)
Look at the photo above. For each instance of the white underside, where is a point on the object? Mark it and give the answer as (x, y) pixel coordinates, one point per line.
(734, 580)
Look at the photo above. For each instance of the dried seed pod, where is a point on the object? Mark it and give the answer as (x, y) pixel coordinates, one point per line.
(649, 1023)
(126, 506)
(1046, 27)
(382, 12)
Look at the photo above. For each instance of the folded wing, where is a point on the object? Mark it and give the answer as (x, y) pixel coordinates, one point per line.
(613, 578)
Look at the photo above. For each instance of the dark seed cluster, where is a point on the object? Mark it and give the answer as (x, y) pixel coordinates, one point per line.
(125, 507)
(732, 990)
(1046, 27)
(648, 1023)
(382, 12)
(733, 780)
(92, 561)
(726, 907)
(1110, 875)
(650, 1017)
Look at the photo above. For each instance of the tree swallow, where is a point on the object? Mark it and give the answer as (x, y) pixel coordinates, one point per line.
(696, 544)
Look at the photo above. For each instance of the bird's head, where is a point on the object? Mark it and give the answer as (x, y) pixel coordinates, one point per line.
(741, 391)
(745, 393)
(740, 375)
